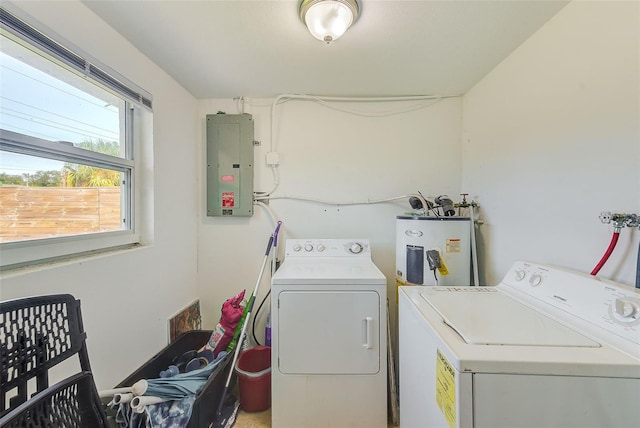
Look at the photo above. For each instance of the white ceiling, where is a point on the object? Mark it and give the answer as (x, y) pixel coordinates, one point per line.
(229, 48)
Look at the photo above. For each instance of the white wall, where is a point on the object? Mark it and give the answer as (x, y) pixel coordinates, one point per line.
(333, 156)
(127, 297)
(551, 139)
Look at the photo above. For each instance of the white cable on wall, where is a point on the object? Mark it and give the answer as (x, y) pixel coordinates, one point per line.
(240, 104)
(267, 209)
(340, 203)
(276, 182)
(377, 114)
(324, 101)
(425, 101)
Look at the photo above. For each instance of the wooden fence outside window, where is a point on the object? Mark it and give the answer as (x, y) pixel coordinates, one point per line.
(43, 212)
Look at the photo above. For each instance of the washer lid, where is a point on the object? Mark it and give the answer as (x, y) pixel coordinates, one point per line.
(486, 316)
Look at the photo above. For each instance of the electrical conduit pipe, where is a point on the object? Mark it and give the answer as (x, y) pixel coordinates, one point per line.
(474, 247)
(638, 268)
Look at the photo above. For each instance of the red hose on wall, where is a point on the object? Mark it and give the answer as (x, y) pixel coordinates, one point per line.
(605, 257)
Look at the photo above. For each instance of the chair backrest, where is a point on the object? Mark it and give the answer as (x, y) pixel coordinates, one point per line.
(67, 404)
(36, 334)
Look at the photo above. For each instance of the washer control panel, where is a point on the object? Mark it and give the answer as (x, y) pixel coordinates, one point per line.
(327, 248)
(612, 307)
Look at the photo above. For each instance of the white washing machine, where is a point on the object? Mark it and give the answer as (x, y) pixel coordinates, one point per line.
(328, 336)
(546, 347)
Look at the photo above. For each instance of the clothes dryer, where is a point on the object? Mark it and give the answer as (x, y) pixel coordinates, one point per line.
(328, 336)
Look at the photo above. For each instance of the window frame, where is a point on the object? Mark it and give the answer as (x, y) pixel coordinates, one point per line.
(34, 36)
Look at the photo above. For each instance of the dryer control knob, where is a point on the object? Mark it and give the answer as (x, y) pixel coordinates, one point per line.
(356, 248)
(308, 248)
(320, 247)
(535, 280)
(297, 248)
(520, 274)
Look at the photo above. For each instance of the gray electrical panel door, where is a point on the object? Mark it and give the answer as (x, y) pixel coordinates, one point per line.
(229, 165)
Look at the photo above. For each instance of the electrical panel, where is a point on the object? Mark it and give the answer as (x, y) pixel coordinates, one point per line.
(230, 165)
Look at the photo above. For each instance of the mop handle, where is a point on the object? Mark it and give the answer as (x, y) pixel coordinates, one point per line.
(275, 234)
(244, 326)
(253, 296)
(270, 244)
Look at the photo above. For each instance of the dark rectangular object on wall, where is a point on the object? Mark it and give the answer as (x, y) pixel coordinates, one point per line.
(415, 264)
(230, 165)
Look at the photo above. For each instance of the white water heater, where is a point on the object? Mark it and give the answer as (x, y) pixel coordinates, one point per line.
(433, 250)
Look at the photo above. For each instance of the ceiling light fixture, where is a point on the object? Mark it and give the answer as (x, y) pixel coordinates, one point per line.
(327, 20)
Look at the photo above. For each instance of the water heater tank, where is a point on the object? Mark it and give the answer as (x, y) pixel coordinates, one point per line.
(425, 242)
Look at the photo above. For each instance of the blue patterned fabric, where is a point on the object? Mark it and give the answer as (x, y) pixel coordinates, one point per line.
(170, 414)
(180, 391)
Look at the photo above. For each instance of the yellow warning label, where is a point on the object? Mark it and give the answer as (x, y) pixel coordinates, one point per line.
(443, 268)
(446, 389)
(399, 283)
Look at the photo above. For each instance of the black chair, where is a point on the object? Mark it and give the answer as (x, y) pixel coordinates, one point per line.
(37, 334)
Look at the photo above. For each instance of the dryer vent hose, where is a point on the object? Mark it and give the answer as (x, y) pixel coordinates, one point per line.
(605, 257)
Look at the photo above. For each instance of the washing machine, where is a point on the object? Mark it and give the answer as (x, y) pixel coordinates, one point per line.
(328, 336)
(547, 347)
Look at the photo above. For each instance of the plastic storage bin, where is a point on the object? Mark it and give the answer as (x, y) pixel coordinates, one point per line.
(204, 408)
(254, 379)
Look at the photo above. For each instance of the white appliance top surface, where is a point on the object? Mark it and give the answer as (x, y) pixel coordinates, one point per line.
(485, 316)
(539, 319)
(322, 261)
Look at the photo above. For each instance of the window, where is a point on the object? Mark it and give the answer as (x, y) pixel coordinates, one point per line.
(67, 165)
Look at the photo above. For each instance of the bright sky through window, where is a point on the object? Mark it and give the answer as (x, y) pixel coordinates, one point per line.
(69, 129)
(43, 105)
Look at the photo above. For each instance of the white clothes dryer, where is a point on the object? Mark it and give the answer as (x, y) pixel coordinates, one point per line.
(328, 336)
(547, 347)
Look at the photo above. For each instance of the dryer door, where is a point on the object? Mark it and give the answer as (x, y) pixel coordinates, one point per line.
(329, 332)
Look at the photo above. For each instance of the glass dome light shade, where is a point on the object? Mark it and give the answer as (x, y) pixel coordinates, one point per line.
(327, 20)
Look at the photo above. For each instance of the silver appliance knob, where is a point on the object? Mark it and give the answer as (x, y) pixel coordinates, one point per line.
(535, 280)
(356, 248)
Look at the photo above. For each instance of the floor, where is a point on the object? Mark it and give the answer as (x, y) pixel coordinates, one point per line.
(253, 419)
(260, 420)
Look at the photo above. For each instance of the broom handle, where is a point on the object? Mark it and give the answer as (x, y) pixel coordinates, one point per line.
(244, 326)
